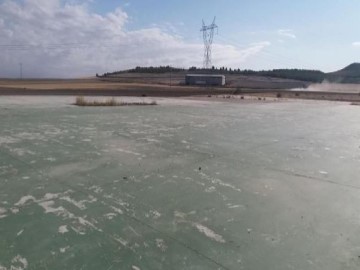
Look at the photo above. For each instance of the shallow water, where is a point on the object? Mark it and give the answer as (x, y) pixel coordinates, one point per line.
(183, 185)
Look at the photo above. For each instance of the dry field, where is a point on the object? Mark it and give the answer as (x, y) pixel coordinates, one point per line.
(98, 87)
(232, 81)
(129, 84)
(171, 85)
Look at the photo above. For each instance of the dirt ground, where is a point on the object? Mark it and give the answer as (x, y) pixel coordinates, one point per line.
(232, 81)
(141, 85)
(129, 80)
(97, 87)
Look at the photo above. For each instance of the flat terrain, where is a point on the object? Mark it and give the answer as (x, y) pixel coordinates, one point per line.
(154, 84)
(150, 85)
(97, 87)
(234, 81)
(188, 184)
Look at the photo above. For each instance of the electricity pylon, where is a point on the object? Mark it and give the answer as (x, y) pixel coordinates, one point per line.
(208, 35)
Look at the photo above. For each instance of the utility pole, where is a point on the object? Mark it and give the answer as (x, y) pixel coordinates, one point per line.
(170, 77)
(208, 36)
(21, 70)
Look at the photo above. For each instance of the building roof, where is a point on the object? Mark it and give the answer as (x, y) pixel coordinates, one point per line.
(206, 75)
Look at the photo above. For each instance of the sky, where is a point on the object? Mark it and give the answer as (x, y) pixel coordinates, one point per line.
(78, 38)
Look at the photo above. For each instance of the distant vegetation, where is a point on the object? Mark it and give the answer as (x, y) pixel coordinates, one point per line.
(294, 74)
(153, 70)
(350, 74)
(111, 102)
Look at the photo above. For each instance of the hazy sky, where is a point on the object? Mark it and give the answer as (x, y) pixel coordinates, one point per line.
(54, 38)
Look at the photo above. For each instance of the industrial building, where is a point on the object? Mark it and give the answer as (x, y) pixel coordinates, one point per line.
(204, 79)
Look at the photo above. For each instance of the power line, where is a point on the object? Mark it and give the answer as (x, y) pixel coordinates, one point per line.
(266, 56)
(208, 35)
(21, 70)
(279, 58)
(54, 46)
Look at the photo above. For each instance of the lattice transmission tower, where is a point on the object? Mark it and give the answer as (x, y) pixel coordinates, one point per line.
(208, 35)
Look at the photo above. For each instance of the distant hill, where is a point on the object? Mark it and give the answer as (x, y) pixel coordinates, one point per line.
(349, 74)
(293, 74)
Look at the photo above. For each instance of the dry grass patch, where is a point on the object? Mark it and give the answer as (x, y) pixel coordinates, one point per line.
(111, 102)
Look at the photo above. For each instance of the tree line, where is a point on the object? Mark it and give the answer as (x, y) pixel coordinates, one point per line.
(295, 74)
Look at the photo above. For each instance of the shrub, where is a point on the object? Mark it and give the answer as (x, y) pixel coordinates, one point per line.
(111, 102)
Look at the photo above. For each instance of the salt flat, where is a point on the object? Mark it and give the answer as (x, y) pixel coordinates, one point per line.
(188, 184)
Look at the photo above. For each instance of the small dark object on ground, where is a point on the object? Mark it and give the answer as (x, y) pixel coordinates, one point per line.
(278, 95)
(209, 96)
(242, 97)
(144, 95)
(259, 98)
(199, 168)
